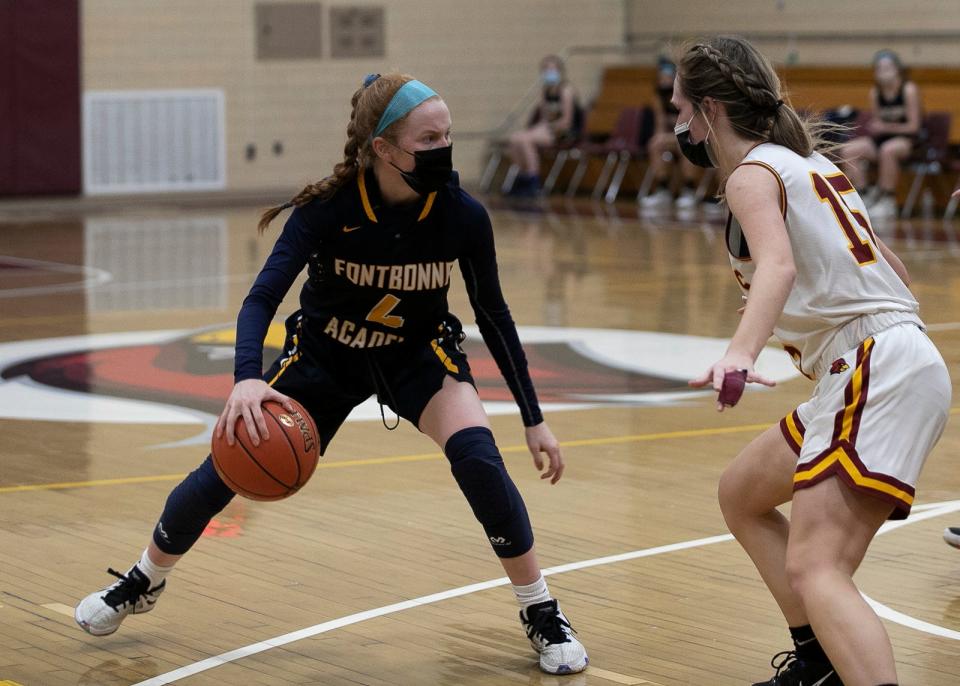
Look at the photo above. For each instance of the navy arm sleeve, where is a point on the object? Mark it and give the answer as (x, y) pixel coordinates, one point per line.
(287, 260)
(479, 266)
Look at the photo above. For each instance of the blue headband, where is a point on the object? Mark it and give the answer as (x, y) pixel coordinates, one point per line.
(410, 94)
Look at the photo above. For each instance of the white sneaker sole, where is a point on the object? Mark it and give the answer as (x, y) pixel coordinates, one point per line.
(146, 606)
(90, 629)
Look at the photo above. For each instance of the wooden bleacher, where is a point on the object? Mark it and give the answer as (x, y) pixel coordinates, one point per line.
(809, 87)
(815, 88)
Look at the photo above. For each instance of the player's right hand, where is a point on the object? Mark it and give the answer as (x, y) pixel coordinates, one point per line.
(245, 400)
(714, 376)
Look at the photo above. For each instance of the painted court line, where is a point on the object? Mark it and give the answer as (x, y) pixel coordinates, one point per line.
(418, 457)
(436, 455)
(60, 608)
(922, 513)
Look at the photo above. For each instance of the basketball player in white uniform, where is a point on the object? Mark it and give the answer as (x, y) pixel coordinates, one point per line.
(952, 533)
(817, 277)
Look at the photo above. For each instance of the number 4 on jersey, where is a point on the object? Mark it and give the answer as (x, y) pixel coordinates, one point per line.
(831, 190)
(381, 312)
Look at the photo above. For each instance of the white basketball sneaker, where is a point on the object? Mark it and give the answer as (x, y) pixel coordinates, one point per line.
(551, 635)
(659, 199)
(885, 207)
(687, 200)
(952, 536)
(102, 612)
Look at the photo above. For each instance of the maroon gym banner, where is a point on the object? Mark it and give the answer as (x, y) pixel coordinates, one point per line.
(40, 97)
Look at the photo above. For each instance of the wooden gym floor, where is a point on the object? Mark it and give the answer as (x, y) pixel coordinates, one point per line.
(115, 345)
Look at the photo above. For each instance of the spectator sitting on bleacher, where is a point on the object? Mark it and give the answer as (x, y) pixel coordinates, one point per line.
(553, 120)
(890, 134)
(663, 150)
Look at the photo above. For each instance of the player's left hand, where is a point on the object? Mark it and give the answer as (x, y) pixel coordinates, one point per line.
(730, 362)
(540, 439)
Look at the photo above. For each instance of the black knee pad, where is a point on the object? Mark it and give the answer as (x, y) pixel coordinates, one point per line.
(190, 507)
(479, 470)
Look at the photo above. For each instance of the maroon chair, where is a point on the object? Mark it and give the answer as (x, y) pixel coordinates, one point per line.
(929, 156)
(623, 145)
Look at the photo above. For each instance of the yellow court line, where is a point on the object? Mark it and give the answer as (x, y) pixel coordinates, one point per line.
(94, 482)
(610, 440)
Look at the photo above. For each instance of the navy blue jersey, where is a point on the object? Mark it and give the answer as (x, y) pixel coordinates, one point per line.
(378, 277)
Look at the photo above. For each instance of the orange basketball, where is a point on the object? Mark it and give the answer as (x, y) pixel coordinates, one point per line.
(279, 466)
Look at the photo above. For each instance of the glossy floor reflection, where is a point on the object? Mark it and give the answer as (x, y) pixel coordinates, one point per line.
(115, 356)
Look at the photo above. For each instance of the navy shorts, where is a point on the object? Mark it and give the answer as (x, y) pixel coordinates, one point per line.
(329, 379)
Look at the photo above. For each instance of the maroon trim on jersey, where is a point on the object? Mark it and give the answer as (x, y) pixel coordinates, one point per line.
(776, 174)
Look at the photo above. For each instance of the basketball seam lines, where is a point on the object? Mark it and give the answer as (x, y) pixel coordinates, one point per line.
(257, 462)
(226, 479)
(296, 454)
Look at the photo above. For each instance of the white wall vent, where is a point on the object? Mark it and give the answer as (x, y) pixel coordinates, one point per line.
(153, 141)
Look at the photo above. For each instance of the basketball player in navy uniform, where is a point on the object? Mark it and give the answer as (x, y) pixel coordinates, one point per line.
(379, 238)
(816, 276)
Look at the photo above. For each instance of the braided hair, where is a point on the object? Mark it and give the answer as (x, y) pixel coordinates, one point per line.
(730, 70)
(368, 103)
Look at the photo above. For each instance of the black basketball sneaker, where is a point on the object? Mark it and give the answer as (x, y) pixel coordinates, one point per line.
(792, 671)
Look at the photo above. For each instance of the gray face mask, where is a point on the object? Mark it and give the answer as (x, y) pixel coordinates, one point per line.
(697, 153)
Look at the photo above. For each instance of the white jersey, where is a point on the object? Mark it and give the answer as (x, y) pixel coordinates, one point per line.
(845, 291)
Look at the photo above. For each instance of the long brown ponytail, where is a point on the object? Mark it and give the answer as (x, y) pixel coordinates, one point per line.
(368, 104)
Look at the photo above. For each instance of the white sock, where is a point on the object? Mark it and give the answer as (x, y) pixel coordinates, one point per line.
(153, 571)
(531, 594)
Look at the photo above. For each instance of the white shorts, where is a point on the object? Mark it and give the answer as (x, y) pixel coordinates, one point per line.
(874, 417)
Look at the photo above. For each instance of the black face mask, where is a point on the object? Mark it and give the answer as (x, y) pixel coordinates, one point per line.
(697, 153)
(431, 169)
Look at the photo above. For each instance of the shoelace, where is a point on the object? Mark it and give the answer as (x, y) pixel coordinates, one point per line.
(548, 624)
(127, 591)
(788, 659)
